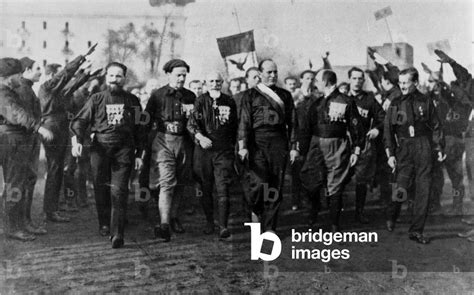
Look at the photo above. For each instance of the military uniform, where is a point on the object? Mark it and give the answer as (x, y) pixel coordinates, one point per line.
(118, 139)
(54, 118)
(32, 103)
(411, 131)
(75, 169)
(372, 116)
(171, 150)
(17, 124)
(215, 119)
(302, 105)
(265, 128)
(327, 148)
(383, 175)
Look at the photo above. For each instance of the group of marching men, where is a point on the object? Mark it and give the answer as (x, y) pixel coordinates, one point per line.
(328, 136)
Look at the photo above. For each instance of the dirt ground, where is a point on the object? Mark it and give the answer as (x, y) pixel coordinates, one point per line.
(74, 258)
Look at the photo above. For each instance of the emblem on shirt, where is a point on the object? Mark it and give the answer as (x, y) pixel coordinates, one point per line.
(363, 112)
(337, 111)
(187, 109)
(223, 114)
(114, 114)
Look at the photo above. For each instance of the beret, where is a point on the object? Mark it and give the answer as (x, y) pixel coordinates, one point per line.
(51, 68)
(175, 63)
(26, 63)
(9, 66)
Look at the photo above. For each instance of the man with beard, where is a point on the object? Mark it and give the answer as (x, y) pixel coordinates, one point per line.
(54, 117)
(31, 74)
(169, 108)
(411, 130)
(371, 122)
(267, 124)
(19, 122)
(118, 136)
(213, 124)
(326, 146)
(305, 96)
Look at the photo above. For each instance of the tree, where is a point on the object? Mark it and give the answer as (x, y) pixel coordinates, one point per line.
(121, 44)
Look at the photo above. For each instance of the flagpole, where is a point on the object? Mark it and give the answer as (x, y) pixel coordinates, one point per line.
(237, 19)
(389, 31)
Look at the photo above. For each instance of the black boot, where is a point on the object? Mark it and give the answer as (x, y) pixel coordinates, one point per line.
(361, 193)
(315, 207)
(335, 207)
(223, 207)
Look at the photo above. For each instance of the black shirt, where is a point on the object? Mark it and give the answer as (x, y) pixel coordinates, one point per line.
(170, 107)
(216, 120)
(260, 117)
(371, 112)
(411, 115)
(113, 117)
(333, 117)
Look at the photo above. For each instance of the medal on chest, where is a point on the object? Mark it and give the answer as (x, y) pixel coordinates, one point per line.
(337, 111)
(114, 114)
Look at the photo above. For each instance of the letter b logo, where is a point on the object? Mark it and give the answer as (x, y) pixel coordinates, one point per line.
(256, 242)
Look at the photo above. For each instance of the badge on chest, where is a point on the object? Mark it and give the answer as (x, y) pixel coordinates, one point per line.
(223, 113)
(364, 113)
(337, 111)
(187, 109)
(114, 114)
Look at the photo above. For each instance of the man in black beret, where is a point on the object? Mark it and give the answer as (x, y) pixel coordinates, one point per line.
(169, 108)
(31, 73)
(54, 117)
(17, 124)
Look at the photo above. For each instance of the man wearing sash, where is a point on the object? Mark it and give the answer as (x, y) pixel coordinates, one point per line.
(267, 124)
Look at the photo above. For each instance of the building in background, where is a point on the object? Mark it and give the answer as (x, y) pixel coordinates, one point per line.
(399, 54)
(59, 34)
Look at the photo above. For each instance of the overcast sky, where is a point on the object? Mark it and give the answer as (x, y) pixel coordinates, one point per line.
(306, 28)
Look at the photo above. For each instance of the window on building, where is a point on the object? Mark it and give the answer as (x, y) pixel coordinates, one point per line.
(23, 43)
(398, 51)
(23, 24)
(44, 44)
(66, 25)
(45, 62)
(89, 44)
(45, 25)
(66, 44)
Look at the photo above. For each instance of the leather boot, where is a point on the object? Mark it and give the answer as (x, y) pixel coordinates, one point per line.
(335, 207)
(223, 207)
(361, 193)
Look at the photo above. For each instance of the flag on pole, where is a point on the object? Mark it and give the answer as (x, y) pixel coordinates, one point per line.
(383, 13)
(238, 52)
(441, 45)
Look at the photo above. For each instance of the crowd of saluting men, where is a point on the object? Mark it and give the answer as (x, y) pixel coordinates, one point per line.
(176, 137)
